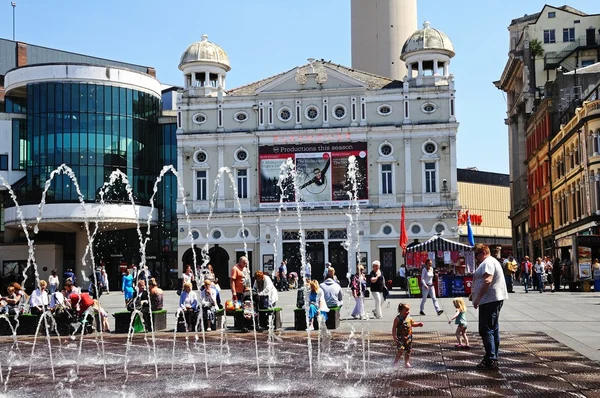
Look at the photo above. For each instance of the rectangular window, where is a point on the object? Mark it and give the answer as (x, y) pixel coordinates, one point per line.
(568, 34)
(242, 183)
(3, 162)
(552, 14)
(549, 36)
(201, 185)
(430, 185)
(386, 179)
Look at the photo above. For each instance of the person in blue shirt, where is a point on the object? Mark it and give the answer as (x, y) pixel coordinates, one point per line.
(69, 274)
(127, 286)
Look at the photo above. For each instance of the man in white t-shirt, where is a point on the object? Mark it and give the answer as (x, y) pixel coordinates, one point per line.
(488, 294)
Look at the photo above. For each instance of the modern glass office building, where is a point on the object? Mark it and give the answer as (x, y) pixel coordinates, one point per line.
(95, 120)
(94, 129)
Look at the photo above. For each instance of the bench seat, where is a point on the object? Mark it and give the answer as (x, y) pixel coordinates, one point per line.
(333, 319)
(27, 325)
(123, 319)
(263, 318)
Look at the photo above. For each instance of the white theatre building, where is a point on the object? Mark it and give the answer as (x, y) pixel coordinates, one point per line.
(403, 134)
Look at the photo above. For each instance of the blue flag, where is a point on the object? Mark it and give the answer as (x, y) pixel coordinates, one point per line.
(470, 231)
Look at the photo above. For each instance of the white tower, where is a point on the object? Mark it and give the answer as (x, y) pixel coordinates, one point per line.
(204, 66)
(379, 29)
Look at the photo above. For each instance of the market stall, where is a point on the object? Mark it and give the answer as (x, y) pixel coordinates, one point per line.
(454, 264)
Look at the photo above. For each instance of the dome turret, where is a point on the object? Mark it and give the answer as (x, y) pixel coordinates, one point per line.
(205, 51)
(427, 39)
(427, 54)
(205, 65)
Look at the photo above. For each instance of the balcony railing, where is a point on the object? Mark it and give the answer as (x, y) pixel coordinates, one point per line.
(553, 59)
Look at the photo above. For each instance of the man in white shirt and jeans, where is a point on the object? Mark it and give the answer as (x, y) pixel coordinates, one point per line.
(488, 294)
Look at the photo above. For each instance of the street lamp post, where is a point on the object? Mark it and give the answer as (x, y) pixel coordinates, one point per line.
(14, 5)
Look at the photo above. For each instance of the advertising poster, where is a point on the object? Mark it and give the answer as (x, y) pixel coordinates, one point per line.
(270, 169)
(314, 176)
(322, 174)
(584, 257)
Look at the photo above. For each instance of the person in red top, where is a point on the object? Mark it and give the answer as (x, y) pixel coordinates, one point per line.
(81, 302)
(526, 273)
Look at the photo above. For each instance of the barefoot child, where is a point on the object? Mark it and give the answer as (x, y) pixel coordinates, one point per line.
(402, 333)
(460, 319)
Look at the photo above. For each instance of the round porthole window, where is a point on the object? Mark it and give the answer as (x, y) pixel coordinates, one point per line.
(428, 107)
(195, 235)
(244, 233)
(216, 234)
(387, 230)
(384, 110)
(240, 117)
(415, 229)
(241, 155)
(339, 111)
(386, 149)
(199, 118)
(312, 113)
(439, 228)
(200, 157)
(429, 148)
(285, 114)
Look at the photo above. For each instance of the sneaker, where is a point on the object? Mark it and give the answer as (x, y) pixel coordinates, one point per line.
(458, 345)
(421, 313)
(440, 312)
(208, 329)
(492, 365)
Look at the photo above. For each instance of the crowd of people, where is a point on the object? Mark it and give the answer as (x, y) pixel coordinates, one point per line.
(73, 307)
(492, 281)
(544, 272)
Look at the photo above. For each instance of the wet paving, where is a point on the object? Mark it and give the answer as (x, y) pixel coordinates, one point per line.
(358, 364)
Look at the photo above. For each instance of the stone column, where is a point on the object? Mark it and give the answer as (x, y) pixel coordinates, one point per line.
(453, 181)
(224, 178)
(408, 191)
(81, 243)
(597, 191)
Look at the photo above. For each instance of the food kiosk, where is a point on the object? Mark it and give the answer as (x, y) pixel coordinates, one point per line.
(454, 264)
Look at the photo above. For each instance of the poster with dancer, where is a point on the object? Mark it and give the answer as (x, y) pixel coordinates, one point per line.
(314, 177)
(322, 177)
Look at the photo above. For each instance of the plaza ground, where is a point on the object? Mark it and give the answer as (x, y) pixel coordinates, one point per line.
(549, 347)
(571, 318)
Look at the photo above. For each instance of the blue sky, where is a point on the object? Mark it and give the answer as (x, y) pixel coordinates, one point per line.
(266, 37)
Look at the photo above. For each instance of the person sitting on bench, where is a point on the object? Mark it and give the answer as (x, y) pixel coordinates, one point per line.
(188, 302)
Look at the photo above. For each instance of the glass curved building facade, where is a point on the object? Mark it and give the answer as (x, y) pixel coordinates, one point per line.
(92, 128)
(95, 119)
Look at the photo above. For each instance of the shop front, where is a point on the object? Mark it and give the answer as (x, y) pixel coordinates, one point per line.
(577, 253)
(454, 264)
